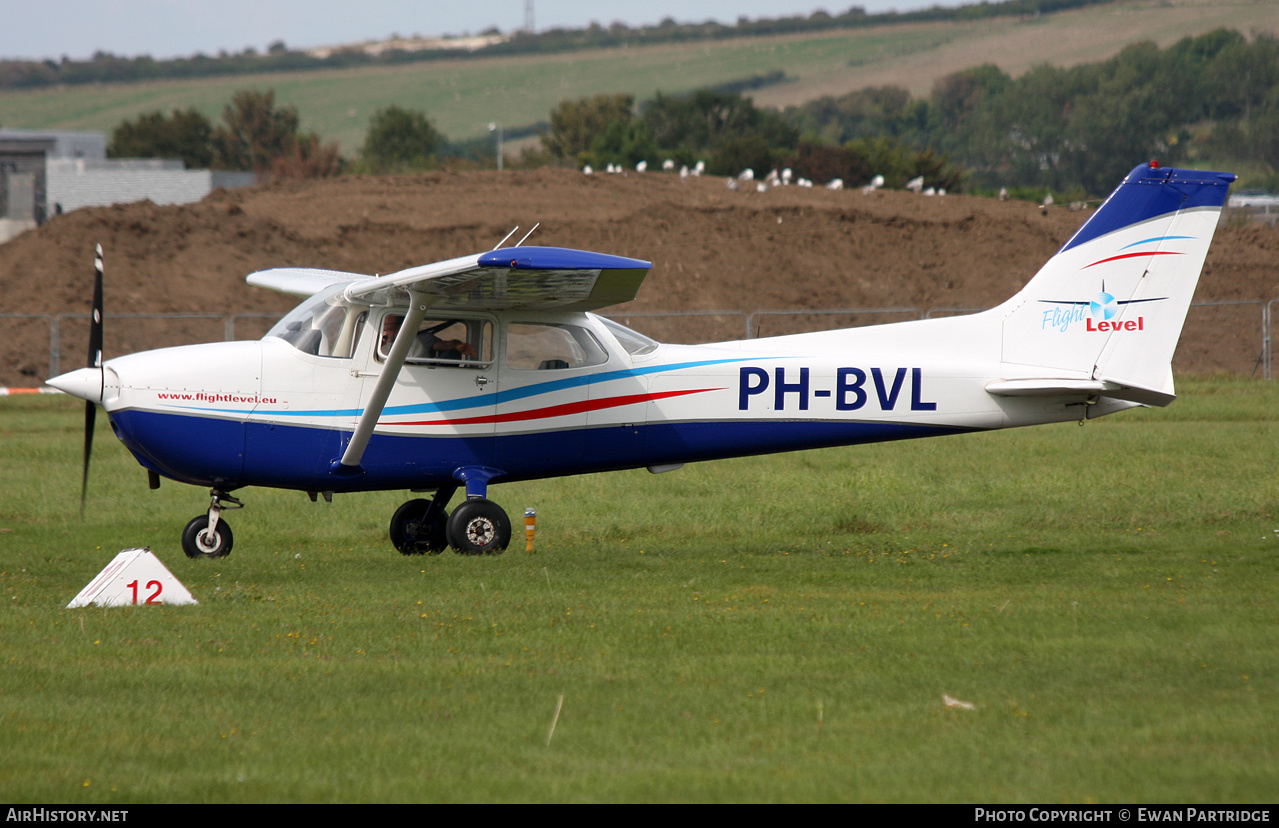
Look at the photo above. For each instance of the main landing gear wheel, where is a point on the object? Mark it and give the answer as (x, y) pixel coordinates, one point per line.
(479, 527)
(413, 532)
(199, 542)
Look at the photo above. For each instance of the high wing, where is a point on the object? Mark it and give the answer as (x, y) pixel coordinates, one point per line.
(302, 281)
(526, 278)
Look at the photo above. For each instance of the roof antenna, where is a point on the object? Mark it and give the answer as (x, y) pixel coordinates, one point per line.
(526, 235)
(508, 235)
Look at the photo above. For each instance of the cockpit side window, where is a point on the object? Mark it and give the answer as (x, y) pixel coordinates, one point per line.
(441, 341)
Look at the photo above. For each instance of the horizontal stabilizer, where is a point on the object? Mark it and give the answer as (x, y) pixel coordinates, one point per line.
(1079, 388)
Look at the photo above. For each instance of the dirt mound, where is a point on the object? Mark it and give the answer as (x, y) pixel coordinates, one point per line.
(712, 249)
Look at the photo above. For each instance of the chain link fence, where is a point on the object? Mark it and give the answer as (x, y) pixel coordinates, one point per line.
(1218, 337)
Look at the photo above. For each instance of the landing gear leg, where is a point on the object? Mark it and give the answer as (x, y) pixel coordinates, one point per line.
(419, 526)
(208, 536)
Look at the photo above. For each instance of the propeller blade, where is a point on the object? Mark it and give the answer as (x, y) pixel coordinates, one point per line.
(94, 361)
(90, 415)
(95, 324)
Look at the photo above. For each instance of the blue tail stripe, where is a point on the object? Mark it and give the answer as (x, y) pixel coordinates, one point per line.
(1146, 194)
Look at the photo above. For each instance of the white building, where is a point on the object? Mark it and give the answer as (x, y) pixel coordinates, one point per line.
(45, 173)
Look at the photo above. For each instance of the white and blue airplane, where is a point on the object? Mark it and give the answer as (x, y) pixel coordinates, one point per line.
(492, 368)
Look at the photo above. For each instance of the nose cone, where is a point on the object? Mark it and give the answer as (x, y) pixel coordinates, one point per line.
(85, 383)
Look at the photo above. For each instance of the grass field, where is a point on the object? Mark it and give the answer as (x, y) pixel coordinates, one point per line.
(766, 629)
(463, 96)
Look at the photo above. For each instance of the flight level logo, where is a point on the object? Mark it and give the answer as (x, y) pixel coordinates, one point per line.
(1104, 307)
(1105, 313)
(1102, 313)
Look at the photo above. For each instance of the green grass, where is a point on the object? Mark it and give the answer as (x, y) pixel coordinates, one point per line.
(763, 629)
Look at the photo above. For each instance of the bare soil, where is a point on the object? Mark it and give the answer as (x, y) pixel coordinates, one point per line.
(712, 249)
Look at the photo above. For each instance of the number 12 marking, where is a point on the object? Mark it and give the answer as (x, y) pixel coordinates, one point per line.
(151, 599)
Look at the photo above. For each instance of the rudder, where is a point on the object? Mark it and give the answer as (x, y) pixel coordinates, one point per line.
(1109, 306)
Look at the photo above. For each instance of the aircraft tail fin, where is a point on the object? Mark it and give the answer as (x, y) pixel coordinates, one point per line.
(1108, 308)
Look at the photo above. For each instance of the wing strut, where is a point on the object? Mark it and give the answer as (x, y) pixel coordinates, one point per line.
(350, 462)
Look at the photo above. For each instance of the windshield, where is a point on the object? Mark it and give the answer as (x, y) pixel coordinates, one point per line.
(322, 326)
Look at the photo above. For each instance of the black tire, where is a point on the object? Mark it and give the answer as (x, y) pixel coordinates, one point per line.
(197, 543)
(479, 527)
(411, 535)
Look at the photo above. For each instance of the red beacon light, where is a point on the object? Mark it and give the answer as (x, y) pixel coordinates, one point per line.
(1154, 164)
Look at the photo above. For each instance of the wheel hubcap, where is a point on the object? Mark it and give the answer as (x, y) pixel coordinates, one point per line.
(481, 531)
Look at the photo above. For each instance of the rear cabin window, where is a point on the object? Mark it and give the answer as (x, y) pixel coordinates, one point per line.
(542, 347)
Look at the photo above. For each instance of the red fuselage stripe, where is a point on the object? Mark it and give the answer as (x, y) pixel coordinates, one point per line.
(559, 410)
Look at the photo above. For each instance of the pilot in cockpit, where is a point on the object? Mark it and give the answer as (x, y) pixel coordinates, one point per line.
(427, 344)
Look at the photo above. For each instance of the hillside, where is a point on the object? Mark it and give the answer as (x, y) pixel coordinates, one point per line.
(462, 96)
(712, 249)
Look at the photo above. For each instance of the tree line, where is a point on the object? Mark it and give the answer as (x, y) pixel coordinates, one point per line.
(105, 67)
(1211, 99)
(254, 135)
(724, 130)
(257, 135)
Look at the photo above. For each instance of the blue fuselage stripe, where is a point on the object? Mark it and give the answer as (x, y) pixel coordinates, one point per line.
(234, 453)
(486, 400)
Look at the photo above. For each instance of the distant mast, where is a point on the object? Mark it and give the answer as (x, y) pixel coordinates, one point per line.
(528, 16)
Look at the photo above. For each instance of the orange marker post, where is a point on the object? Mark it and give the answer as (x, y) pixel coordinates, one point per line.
(530, 526)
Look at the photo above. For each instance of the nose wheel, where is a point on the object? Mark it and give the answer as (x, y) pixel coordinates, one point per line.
(199, 542)
(208, 536)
